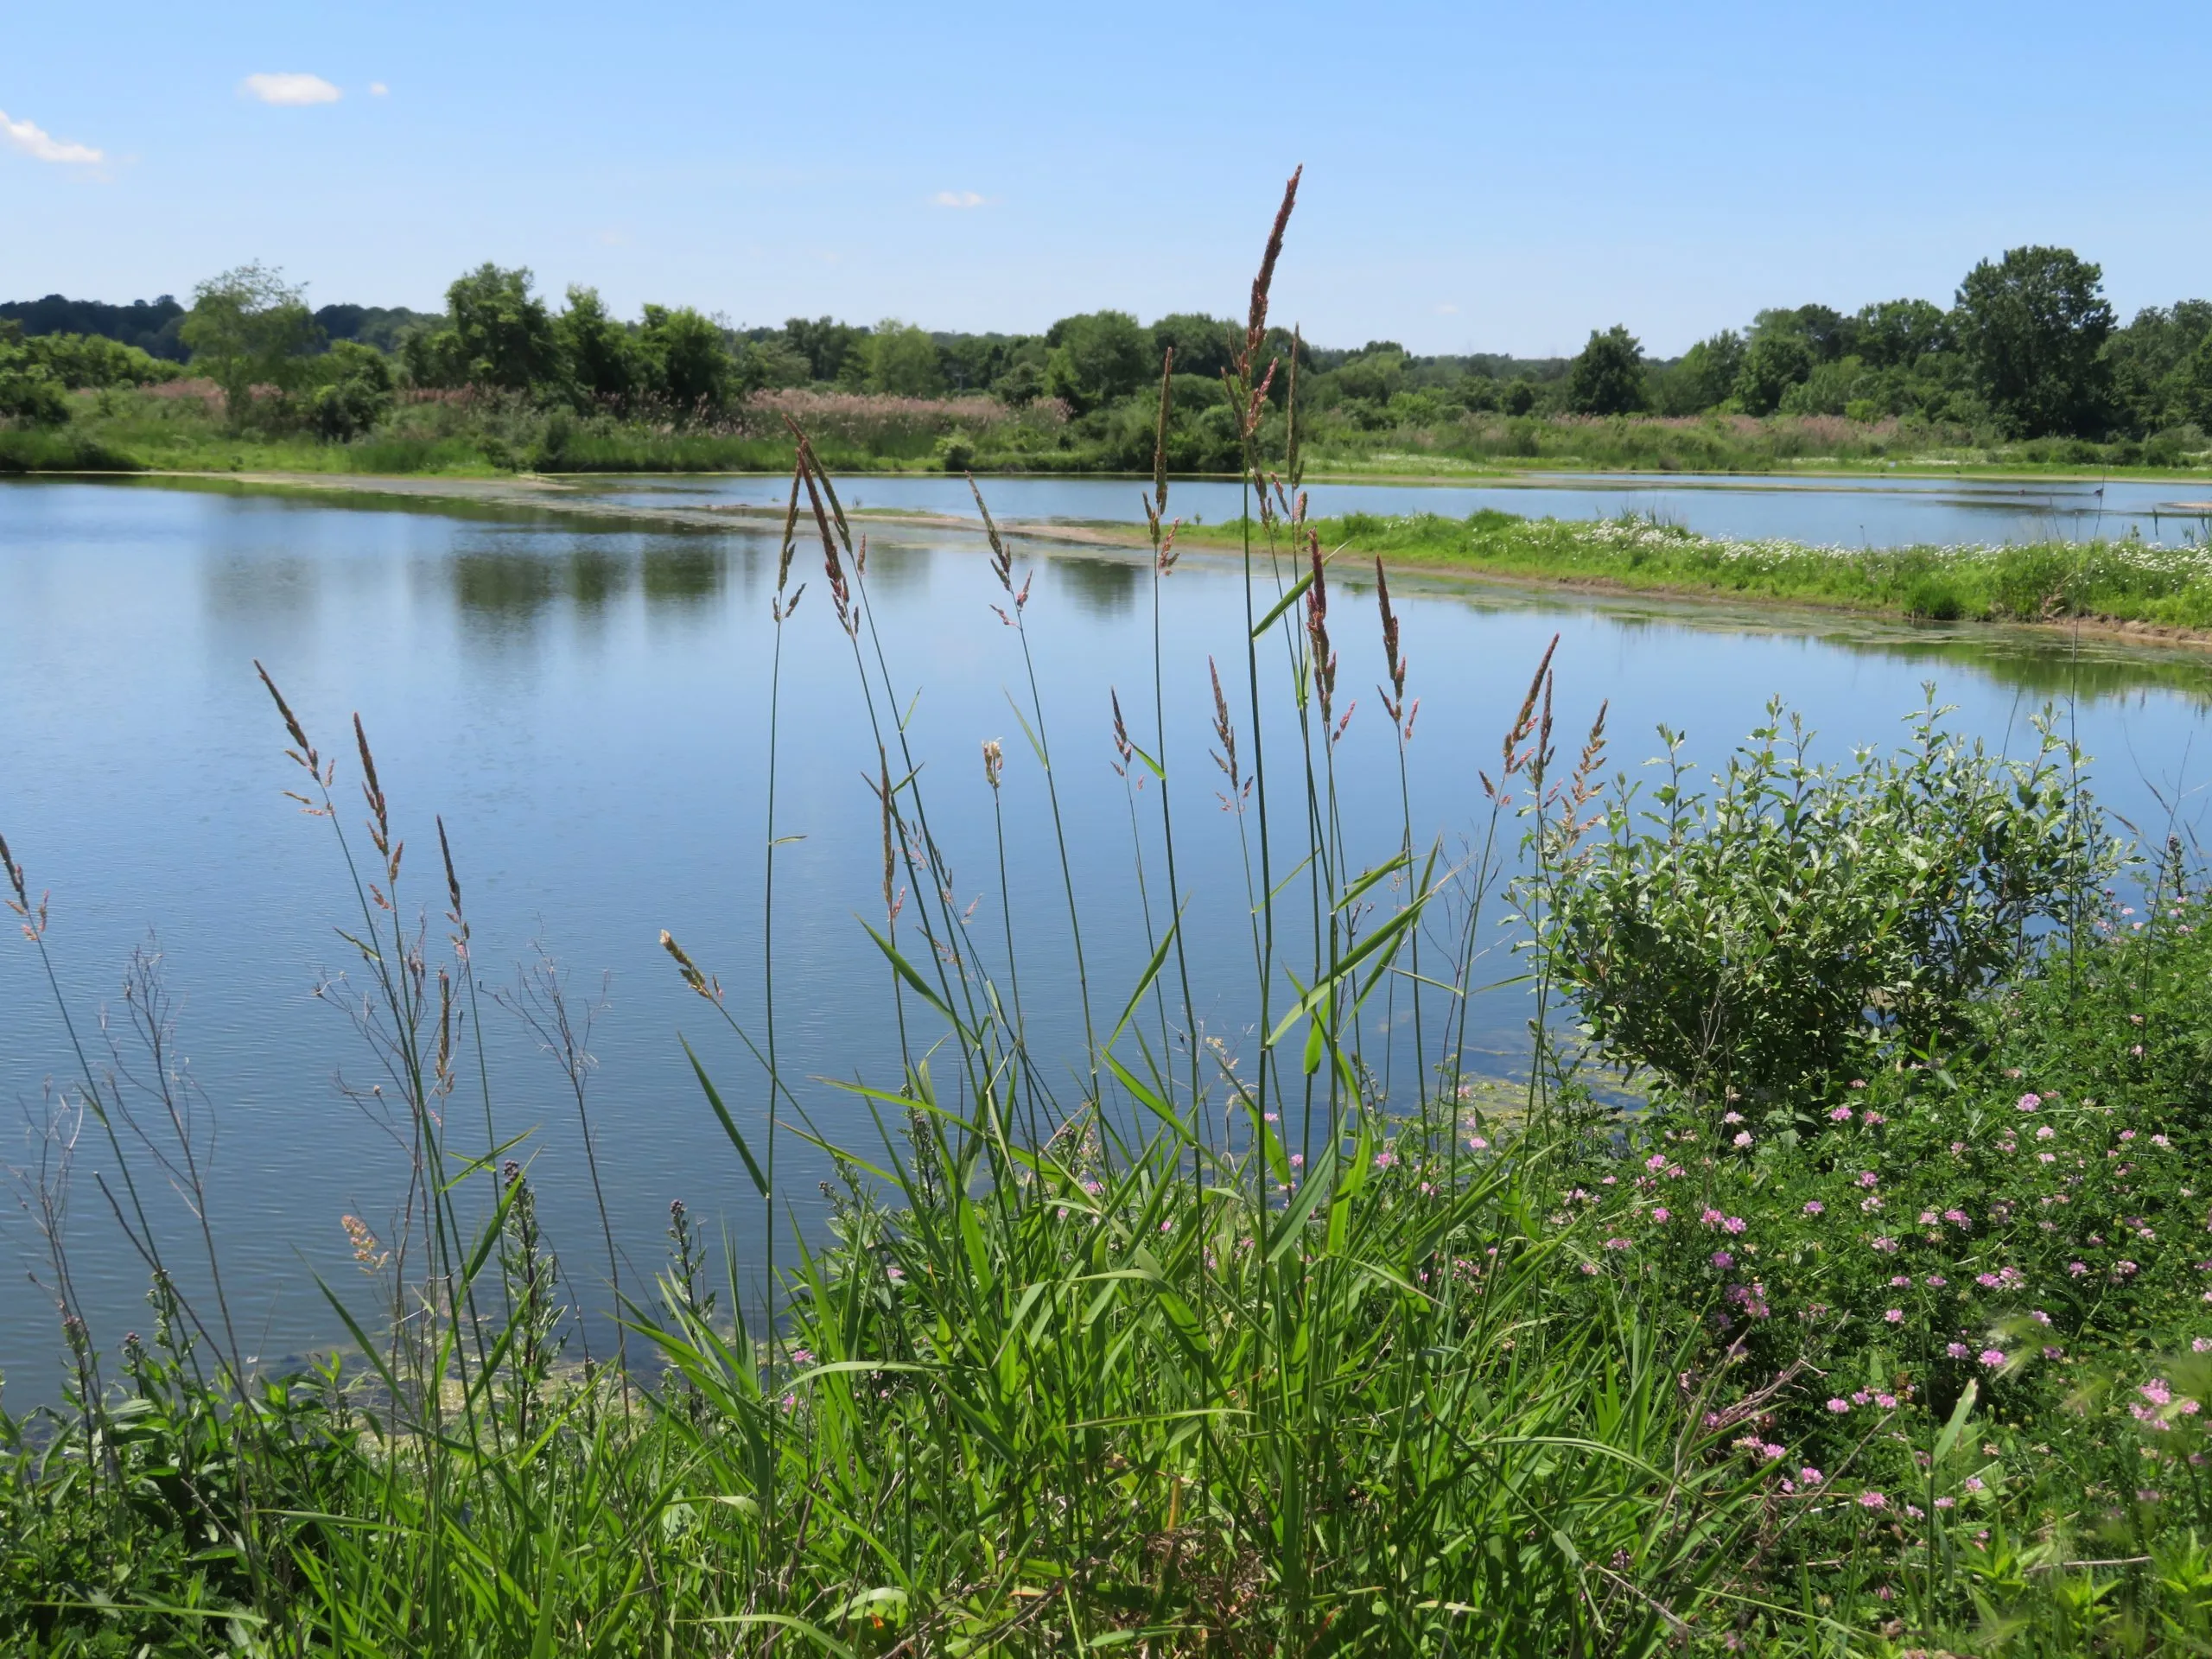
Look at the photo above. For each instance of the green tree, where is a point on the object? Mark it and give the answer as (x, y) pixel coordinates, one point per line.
(1373, 376)
(1776, 360)
(1897, 333)
(2145, 359)
(1097, 357)
(1607, 379)
(30, 393)
(1203, 343)
(1023, 383)
(2192, 385)
(355, 393)
(1827, 333)
(1830, 389)
(825, 344)
(248, 327)
(688, 360)
(902, 360)
(770, 361)
(1705, 377)
(599, 355)
(502, 335)
(431, 356)
(2033, 326)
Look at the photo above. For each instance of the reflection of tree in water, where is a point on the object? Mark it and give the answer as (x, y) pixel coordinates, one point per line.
(2053, 669)
(595, 576)
(684, 573)
(518, 586)
(2045, 664)
(512, 586)
(1102, 587)
(260, 589)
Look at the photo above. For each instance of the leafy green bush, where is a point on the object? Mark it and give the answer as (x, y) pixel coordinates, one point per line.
(1760, 942)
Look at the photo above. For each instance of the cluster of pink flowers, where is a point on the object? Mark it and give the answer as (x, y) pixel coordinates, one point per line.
(1752, 1299)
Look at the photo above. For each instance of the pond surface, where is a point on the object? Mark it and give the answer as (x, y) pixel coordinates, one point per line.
(586, 709)
(1879, 512)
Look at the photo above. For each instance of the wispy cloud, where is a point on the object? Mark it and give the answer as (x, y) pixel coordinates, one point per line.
(40, 145)
(378, 89)
(1447, 309)
(959, 199)
(291, 89)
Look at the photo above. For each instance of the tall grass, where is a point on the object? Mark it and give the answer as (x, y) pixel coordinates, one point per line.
(2126, 580)
(1188, 1343)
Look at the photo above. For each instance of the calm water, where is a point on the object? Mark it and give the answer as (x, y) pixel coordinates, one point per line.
(585, 708)
(1852, 513)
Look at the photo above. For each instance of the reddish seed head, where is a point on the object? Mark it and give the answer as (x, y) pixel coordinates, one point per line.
(1256, 328)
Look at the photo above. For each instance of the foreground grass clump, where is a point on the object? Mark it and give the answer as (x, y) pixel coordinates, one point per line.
(2123, 581)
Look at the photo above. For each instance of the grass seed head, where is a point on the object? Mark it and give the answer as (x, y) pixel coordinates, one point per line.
(1256, 327)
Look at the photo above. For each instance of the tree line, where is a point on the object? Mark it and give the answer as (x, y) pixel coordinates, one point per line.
(2030, 347)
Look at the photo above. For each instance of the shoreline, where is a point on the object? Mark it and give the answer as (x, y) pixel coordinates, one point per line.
(557, 495)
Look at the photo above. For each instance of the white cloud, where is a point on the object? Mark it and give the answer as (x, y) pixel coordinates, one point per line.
(378, 89)
(38, 143)
(959, 198)
(1447, 309)
(291, 89)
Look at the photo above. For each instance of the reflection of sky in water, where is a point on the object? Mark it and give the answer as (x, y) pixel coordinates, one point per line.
(586, 709)
(1875, 511)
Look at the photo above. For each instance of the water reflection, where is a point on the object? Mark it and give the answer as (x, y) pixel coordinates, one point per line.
(595, 576)
(507, 587)
(684, 573)
(516, 584)
(1103, 587)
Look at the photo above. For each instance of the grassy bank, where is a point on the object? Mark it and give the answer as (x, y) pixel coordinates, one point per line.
(2118, 581)
(178, 426)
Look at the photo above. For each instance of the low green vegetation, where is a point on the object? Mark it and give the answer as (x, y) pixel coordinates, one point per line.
(2126, 580)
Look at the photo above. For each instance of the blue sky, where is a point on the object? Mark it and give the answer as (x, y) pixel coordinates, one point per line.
(1479, 176)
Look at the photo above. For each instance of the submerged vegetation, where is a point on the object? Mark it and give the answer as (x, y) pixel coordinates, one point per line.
(1877, 1326)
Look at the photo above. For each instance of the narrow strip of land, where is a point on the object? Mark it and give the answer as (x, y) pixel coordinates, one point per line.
(2123, 591)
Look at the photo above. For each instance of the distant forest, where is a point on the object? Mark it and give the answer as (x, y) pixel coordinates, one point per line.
(2028, 350)
(155, 327)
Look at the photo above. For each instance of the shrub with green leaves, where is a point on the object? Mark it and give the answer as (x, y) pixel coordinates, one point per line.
(1757, 942)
